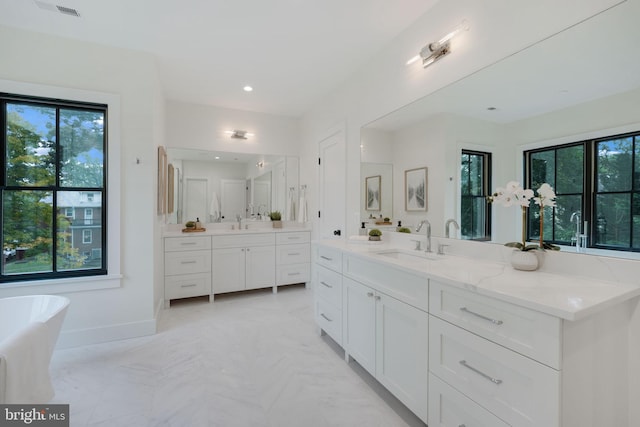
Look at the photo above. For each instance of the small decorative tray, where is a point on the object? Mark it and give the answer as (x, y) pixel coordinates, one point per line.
(193, 230)
(383, 222)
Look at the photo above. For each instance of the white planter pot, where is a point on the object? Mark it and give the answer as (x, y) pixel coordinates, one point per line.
(524, 260)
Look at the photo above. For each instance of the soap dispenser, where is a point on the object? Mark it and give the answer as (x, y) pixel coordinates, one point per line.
(399, 226)
(198, 225)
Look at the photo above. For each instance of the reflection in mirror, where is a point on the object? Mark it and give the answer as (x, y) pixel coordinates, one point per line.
(218, 186)
(551, 93)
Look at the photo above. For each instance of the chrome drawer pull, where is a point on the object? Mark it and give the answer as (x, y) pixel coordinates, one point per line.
(293, 238)
(494, 321)
(326, 258)
(327, 285)
(325, 317)
(294, 253)
(462, 425)
(188, 286)
(493, 380)
(188, 262)
(293, 274)
(188, 243)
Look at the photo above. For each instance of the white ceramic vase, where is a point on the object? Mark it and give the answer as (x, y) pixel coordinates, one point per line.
(524, 260)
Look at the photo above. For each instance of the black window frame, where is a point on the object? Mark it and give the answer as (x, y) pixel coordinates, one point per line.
(589, 211)
(486, 191)
(9, 98)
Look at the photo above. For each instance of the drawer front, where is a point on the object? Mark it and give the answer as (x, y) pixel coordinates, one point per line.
(294, 273)
(450, 408)
(243, 240)
(293, 254)
(396, 282)
(329, 286)
(330, 258)
(190, 262)
(329, 319)
(528, 332)
(285, 238)
(185, 286)
(513, 387)
(191, 243)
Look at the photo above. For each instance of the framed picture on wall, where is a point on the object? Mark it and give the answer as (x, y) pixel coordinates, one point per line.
(415, 190)
(162, 180)
(372, 192)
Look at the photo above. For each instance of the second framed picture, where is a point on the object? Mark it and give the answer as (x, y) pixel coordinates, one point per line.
(372, 192)
(415, 190)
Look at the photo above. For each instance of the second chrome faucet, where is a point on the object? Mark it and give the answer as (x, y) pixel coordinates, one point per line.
(428, 232)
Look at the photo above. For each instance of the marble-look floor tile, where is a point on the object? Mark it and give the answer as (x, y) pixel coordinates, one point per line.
(247, 360)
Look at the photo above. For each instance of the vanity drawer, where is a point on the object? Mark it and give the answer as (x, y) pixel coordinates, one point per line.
(528, 332)
(450, 408)
(293, 273)
(190, 243)
(330, 258)
(329, 319)
(329, 286)
(185, 286)
(176, 263)
(243, 240)
(285, 238)
(513, 387)
(293, 254)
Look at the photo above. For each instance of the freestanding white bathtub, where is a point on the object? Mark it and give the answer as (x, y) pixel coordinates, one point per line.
(29, 329)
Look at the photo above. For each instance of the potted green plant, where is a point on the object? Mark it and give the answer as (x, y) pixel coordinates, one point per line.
(190, 225)
(374, 235)
(404, 230)
(276, 219)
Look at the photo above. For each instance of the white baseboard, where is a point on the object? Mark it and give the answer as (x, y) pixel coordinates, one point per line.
(122, 331)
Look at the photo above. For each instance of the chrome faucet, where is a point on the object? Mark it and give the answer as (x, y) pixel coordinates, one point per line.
(419, 227)
(580, 238)
(239, 219)
(447, 224)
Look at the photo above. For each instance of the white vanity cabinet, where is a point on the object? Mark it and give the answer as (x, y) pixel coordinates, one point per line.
(293, 258)
(187, 267)
(243, 261)
(387, 335)
(328, 292)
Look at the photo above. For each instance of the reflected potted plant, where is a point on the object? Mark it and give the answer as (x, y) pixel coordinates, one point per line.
(276, 219)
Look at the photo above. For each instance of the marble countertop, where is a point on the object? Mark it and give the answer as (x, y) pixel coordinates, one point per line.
(225, 229)
(566, 296)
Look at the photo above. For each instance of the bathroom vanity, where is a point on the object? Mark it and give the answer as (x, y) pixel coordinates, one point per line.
(462, 341)
(224, 260)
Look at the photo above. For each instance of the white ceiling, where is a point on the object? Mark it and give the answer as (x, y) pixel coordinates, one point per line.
(293, 52)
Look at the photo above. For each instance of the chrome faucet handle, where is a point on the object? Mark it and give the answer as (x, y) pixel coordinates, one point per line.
(418, 247)
(441, 248)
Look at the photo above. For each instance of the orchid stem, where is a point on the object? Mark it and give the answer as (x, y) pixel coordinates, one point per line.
(524, 226)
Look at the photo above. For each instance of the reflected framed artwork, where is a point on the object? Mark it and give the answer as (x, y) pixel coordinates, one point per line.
(415, 190)
(162, 180)
(372, 192)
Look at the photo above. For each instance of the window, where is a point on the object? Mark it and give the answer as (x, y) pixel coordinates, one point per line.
(87, 237)
(88, 216)
(597, 183)
(54, 157)
(475, 214)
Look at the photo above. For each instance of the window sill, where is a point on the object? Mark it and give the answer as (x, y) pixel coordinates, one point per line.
(602, 252)
(61, 286)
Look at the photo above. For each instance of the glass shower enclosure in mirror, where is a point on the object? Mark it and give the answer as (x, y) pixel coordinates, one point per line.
(548, 94)
(220, 186)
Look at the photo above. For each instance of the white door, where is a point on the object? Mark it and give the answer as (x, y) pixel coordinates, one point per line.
(399, 327)
(233, 198)
(332, 158)
(195, 196)
(359, 329)
(228, 270)
(261, 267)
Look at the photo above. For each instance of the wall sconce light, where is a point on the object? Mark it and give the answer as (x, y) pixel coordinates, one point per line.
(260, 164)
(238, 134)
(436, 50)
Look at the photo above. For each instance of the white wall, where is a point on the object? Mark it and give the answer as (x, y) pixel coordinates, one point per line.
(68, 66)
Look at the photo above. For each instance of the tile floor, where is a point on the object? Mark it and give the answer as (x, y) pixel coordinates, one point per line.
(248, 360)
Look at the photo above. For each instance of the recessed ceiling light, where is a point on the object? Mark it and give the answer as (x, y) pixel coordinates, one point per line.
(217, 157)
(247, 88)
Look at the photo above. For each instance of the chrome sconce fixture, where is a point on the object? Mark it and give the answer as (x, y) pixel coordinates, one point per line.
(238, 134)
(436, 50)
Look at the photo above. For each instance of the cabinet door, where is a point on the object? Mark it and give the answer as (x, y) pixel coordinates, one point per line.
(359, 323)
(261, 267)
(402, 352)
(228, 270)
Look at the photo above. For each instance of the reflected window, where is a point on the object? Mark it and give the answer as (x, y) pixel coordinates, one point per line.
(475, 213)
(597, 183)
(53, 188)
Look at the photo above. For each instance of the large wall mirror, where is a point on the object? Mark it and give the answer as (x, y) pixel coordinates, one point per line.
(583, 82)
(220, 186)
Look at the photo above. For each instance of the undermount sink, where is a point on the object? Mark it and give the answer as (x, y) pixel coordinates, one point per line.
(405, 255)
